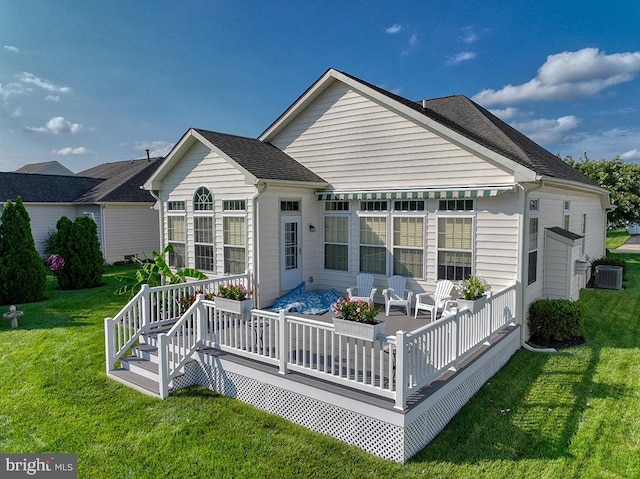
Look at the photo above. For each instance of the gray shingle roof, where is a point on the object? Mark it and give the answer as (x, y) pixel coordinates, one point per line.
(473, 121)
(36, 188)
(263, 160)
(122, 181)
(111, 182)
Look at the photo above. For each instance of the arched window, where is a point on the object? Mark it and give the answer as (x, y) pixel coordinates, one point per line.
(203, 200)
(203, 229)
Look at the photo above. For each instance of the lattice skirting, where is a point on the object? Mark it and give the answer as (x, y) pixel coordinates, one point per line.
(386, 433)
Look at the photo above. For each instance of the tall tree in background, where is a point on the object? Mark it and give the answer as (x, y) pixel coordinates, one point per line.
(621, 179)
(23, 276)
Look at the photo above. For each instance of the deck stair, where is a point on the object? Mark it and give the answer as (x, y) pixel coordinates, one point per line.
(139, 370)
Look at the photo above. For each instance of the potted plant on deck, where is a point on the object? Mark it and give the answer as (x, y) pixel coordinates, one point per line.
(357, 319)
(233, 298)
(473, 293)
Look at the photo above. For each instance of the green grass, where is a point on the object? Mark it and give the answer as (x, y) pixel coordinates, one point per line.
(569, 415)
(616, 238)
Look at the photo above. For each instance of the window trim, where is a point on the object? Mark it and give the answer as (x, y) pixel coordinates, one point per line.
(234, 208)
(177, 213)
(533, 214)
(336, 214)
(472, 250)
(198, 213)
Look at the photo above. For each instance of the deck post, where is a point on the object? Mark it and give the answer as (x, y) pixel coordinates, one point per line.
(457, 339)
(490, 328)
(201, 319)
(401, 371)
(163, 366)
(110, 343)
(145, 309)
(284, 342)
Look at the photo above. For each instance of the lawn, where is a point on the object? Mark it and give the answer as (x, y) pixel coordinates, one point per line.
(616, 238)
(571, 414)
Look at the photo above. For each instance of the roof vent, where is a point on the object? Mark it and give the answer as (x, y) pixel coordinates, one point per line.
(608, 277)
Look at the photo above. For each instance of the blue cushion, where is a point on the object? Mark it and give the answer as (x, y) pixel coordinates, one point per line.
(307, 302)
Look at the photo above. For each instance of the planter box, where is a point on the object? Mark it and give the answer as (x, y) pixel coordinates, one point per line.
(354, 329)
(472, 305)
(232, 305)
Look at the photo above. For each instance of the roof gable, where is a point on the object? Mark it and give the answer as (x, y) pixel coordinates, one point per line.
(461, 118)
(261, 160)
(45, 168)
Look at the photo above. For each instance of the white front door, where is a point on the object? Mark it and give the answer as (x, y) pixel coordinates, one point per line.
(290, 252)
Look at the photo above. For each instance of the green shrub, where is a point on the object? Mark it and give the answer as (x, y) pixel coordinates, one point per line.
(23, 277)
(556, 320)
(77, 242)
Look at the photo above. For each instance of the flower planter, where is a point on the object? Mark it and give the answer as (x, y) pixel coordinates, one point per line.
(354, 329)
(232, 305)
(472, 305)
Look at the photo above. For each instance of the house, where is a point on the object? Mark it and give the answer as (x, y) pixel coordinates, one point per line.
(352, 178)
(45, 168)
(111, 194)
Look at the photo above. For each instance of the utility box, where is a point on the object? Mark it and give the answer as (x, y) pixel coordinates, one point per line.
(608, 277)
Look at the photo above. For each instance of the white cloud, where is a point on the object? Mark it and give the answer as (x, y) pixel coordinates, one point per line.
(45, 84)
(11, 48)
(505, 114)
(156, 148)
(12, 89)
(631, 155)
(16, 113)
(413, 41)
(548, 131)
(57, 125)
(468, 35)
(53, 98)
(395, 28)
(461, 57)
(568, 75)
(81, 150)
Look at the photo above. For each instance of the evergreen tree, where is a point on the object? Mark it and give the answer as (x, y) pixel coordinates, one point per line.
(77, 242)
(23, 276)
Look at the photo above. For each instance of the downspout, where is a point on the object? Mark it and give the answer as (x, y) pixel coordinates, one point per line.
(161, 213)
(523, 271)
(103, 228)
(256, 249)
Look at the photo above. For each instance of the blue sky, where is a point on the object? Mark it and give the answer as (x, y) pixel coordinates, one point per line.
(85, 83)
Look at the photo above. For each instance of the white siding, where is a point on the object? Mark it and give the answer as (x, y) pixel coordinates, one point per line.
(354, 143)
(44, 218)
(201, 167)
(270, 239)
(131, 229)
(556, 268)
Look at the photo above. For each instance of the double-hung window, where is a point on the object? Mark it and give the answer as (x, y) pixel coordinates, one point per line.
(408, 238)
(566, 220)
(373, 237)
(455, 239)
(176, 233)
(234, 236)
(336, 235)
(203, 229)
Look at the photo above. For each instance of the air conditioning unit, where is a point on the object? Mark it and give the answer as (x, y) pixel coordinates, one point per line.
(608, 277)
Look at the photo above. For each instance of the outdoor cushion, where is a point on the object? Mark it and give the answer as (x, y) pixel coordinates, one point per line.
(306, 302)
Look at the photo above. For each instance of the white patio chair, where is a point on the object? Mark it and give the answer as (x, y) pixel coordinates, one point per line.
(397, 294)
(440, 302)
(364, 289)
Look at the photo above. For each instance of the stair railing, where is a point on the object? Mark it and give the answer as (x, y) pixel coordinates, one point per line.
(177, 346)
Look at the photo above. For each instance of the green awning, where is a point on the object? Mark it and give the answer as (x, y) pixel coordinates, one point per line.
(460, 193)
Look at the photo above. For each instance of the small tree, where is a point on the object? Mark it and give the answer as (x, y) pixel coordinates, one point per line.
(77, 242)
(23, 276)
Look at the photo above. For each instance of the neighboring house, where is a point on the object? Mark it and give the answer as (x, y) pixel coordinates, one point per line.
(352, 178)
(111, 194)
(45, 168)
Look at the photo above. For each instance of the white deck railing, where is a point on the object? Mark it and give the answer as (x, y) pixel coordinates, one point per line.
(391, 366)
(152, 307)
